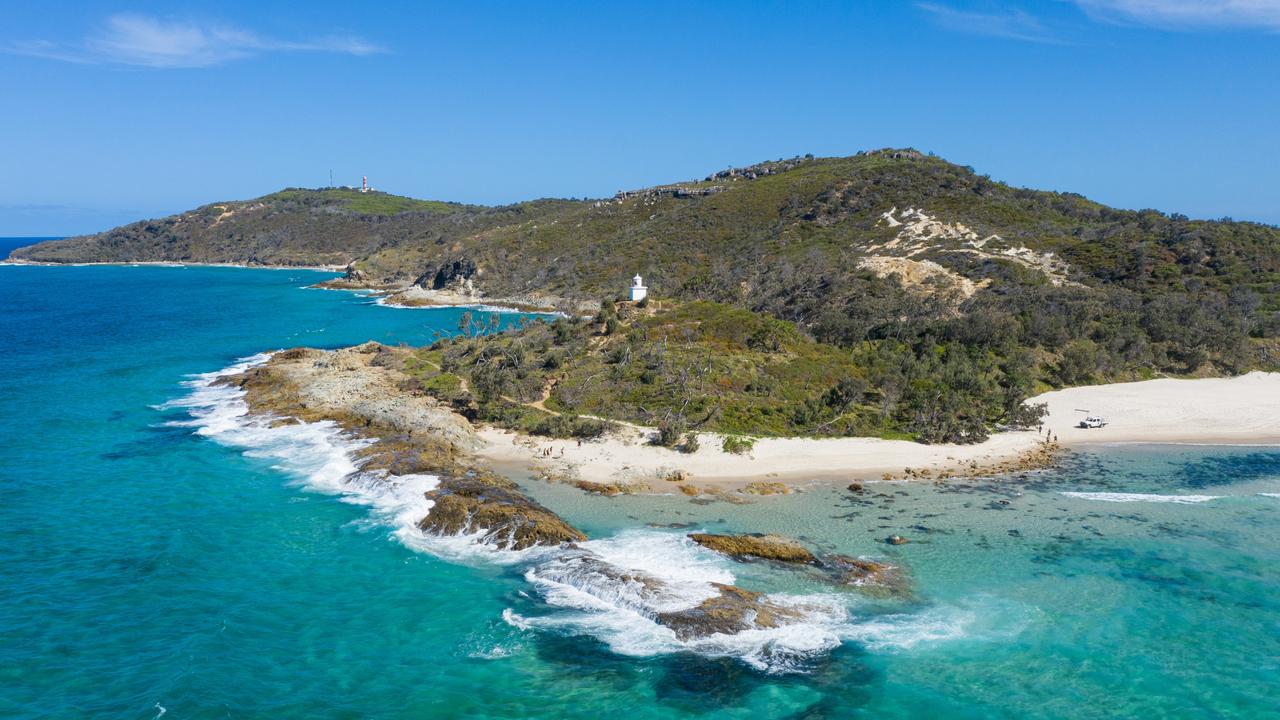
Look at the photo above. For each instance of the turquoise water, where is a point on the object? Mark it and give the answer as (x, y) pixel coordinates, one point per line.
(149, 566)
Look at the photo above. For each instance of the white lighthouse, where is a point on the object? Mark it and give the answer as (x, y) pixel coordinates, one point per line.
(638, 290)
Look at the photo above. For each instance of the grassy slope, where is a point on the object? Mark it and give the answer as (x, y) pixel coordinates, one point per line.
(1147, 294)
(692, 366)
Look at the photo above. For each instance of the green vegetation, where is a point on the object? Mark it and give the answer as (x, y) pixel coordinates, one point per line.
(705, 366)
(365, 203)
(738, 444)
(766, 318)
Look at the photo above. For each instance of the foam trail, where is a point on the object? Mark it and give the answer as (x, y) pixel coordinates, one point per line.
(1142, 497)
(611, 588)
(906, 631)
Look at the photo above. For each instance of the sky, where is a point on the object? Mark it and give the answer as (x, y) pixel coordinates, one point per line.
(112, 112)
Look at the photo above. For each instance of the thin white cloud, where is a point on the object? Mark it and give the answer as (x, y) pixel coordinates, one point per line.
(1012, 24)
(1188, 14)
(144, 41)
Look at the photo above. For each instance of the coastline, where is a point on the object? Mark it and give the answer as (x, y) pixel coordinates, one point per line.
(415, 297)
(367, 382)
(174, 263)
(1207, 411)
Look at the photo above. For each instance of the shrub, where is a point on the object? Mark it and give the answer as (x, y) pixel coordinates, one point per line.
(691, 443)
(670, 430)
(738, 444)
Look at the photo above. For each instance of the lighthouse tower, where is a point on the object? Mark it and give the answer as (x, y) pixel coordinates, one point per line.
(638, 290)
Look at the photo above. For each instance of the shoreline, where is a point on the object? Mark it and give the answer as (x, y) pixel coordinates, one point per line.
(174, 263)
(1224, 411)
(414, 297)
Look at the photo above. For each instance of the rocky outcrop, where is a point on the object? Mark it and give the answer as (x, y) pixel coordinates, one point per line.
(872, 577)
(609, 489)
(486, 502)
(450, 274)
(761, 487)
(363, 389)
(765, 547)
(360, 388)
(731, 610)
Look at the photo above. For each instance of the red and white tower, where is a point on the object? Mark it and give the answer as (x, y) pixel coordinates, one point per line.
(364, 183)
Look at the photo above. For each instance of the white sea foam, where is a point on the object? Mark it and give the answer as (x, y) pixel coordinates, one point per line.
(1270, 495)
(1141, 497)
(615, 588)
(906, 631)
(611, 588)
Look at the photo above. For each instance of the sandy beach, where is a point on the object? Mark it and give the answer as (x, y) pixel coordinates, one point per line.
(1240, 410)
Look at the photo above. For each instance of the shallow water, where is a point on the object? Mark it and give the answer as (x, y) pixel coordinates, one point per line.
(161, 555)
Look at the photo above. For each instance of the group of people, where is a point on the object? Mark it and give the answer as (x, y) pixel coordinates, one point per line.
(1048, 435)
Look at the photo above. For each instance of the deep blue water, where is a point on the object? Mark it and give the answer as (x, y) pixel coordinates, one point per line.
(147, 567)
(9, 244)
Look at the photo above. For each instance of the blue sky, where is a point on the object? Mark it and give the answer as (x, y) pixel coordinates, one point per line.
(113, 112)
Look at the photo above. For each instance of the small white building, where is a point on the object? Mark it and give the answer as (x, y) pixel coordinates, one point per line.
(638, 290)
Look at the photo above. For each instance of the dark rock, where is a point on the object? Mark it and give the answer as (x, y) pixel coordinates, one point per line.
(870, 576)
(447, 274)
(730, 611)
(485, 501)
(896, 540)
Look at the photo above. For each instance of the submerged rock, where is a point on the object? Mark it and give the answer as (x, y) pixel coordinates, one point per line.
(869, 576)
(896, 540)
(767, 488)
(766, 547)
(731, 610)
(608, 489)
(484, 501)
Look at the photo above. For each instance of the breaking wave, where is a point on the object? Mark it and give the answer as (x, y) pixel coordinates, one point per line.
(612, 588)
(1142, 497)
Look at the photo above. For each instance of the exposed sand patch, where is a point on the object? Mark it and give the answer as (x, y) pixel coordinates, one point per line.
(920, 233)
(921, 275)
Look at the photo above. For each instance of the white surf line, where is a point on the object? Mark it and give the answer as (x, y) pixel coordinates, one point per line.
(588, 589)
(1142, 497)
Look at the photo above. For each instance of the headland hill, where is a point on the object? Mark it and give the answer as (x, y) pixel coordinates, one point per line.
(885, 315)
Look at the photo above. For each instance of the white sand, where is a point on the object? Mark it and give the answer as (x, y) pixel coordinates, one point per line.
(1244, 410)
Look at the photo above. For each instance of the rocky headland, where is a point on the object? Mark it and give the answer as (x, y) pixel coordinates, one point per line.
(366, 392)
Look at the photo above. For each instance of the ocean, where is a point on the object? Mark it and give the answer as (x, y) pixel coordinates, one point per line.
(163, 556)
